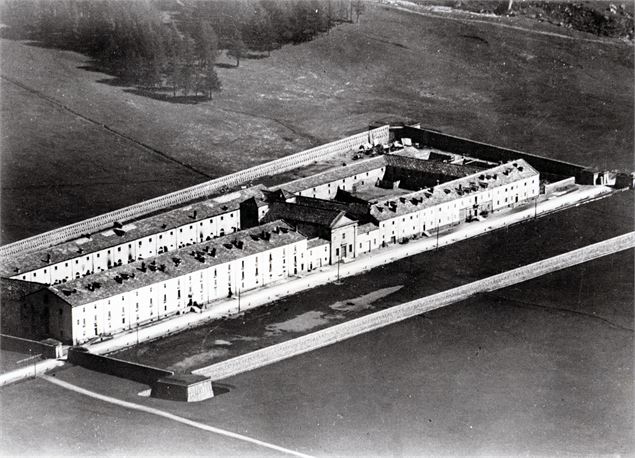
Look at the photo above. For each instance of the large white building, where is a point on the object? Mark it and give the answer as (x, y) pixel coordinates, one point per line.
(149, 269)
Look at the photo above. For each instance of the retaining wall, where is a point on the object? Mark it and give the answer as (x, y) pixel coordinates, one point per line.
(550, 188)
(183, 196)
(401, 312)
(29, 347)
(487, 152)
(117, 367)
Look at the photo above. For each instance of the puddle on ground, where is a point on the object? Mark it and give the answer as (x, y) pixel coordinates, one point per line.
(364, 302)
(222, 343)
(300, 323)
(198, 359)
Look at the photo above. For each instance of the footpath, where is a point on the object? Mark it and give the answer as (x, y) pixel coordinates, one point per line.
(328, 274)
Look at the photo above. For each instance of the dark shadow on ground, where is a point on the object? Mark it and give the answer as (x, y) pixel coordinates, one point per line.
(225, 65)
(165, 97)
(221, 388)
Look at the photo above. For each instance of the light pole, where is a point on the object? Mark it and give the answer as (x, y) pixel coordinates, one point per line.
(437, 237)
(33, 358)
(339, 260)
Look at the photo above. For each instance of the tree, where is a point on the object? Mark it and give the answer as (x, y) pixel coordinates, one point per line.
(205, 43)
(211, 81)
(236, 49)
(358, 7)
(185, 78)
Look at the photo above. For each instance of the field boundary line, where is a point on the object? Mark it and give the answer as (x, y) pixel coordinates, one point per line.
(466, 18)
(397, 313)
(170, 416)
(108, 129)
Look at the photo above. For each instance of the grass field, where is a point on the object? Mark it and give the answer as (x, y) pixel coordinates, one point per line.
(542, 368)
(563, 98)
(515, 373)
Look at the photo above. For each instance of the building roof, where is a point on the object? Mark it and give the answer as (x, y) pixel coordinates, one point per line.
(414, 164)
(354, 208)
(315, 242)
(144, 227)
(193, 258)
(11, 289)
(334, 174)
(491, 178)
(366, 228)
(309, 214)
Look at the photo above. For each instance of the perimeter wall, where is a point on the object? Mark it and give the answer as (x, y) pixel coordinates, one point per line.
(407, 310)
(487, 152)
(183, 196)
(117, 367)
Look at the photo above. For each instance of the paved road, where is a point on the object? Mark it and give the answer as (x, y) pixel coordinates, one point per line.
(169, 416)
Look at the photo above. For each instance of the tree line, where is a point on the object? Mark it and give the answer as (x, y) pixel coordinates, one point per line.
(172, 45)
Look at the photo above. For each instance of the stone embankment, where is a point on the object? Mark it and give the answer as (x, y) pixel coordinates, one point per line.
(410, 309)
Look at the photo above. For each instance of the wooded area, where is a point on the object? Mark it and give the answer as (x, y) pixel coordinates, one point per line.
(172, 46)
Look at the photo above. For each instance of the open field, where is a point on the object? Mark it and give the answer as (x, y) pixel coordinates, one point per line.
(515, 372)
(567, 99)
(544, 367)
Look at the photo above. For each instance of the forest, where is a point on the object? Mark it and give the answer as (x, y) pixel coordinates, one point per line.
(171, 46)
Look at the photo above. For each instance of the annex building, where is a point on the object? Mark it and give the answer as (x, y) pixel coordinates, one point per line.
(185, 258)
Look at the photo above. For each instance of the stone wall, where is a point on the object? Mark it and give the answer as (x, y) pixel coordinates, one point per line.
(401, 312)
(183, 196)
(117, 367)
(549, 168)
(29, 347)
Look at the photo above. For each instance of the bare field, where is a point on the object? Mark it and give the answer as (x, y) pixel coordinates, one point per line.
(566, 99)
(513, 373)
(542, 368)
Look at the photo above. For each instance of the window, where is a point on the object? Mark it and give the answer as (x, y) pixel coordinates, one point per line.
(343, 235)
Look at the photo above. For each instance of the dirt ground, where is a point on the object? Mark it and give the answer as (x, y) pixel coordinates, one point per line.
(542, 368)
(519, 372)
